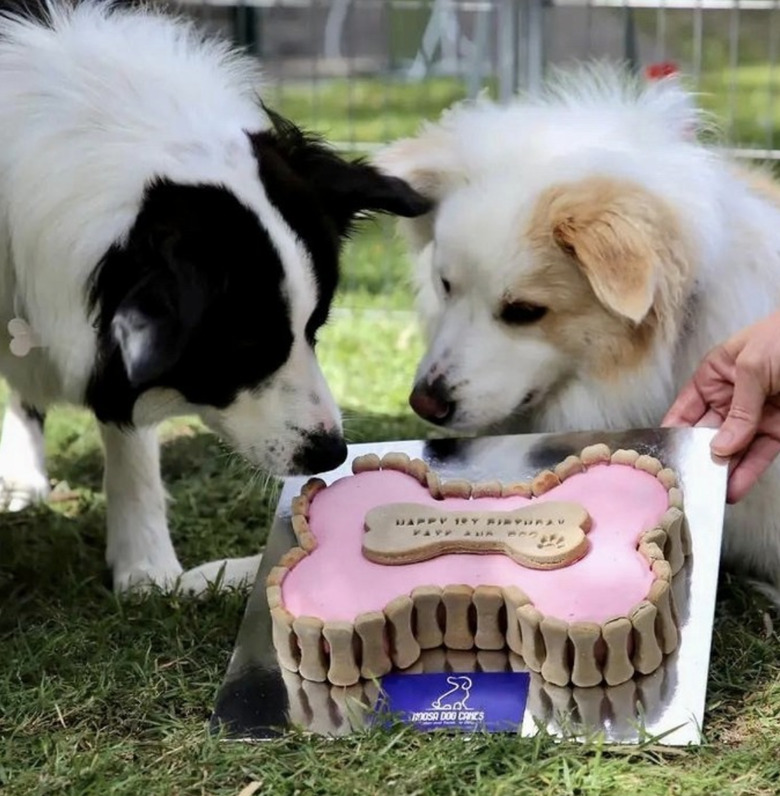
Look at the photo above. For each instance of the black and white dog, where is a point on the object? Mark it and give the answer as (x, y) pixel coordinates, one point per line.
(168, 246)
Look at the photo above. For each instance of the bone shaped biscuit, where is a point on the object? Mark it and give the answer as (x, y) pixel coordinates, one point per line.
(539, 536)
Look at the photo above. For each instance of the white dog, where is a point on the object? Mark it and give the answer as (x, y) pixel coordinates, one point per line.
(167, 246)
(585, 251)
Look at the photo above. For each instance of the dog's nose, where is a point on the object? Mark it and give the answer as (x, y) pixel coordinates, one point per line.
(432, 401)
(322, 451)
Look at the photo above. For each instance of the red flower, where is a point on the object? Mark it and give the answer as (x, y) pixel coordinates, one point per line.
(661, 69)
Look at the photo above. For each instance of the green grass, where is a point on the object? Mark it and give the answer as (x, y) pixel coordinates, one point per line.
(746, 101)
(372, 111)
(367, 110)
(101, 696)
(375, 274)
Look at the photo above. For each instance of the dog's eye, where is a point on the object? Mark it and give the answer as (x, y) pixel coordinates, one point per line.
(446, 286)
(520, 313)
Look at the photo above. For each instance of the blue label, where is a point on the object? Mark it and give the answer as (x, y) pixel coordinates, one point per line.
(486, 701)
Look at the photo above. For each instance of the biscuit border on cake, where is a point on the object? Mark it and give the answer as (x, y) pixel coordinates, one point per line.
(337, 710)
(460, 617)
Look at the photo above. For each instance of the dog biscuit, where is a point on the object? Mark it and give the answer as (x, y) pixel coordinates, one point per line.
(540, 536)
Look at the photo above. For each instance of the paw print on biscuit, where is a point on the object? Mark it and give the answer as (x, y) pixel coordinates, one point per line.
(551, 540)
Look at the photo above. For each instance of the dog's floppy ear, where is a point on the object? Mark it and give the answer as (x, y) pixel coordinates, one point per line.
(344, 188)
(619, 236)
(352, 188)
(154, 319)
(428, 163)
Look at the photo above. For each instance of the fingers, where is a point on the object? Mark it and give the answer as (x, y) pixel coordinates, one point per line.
(747, 404)
(707, 389)
(736, 381)
(751, 466)
(710, 419)
(688, 408)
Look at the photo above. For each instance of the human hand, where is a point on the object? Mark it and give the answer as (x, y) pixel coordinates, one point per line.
(736, 388)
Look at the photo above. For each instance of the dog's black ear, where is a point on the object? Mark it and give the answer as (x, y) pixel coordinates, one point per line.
(357, 187)
(345, 188)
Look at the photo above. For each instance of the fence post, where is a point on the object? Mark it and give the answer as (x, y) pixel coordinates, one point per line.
(532, 43)
(507, 48)
(245, 27)
(521, 39)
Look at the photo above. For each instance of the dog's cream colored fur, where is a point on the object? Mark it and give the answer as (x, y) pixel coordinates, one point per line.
(596, 200)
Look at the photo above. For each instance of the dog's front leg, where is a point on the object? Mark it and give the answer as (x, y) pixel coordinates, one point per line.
(139, 549)
(23, 478)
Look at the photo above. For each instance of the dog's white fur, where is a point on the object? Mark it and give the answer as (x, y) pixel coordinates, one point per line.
(545, 200)
(90, 109)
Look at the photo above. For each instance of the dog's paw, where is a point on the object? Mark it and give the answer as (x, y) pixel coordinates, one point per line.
(146, 579)
(770, 590)
(225, 574)
(20, 488)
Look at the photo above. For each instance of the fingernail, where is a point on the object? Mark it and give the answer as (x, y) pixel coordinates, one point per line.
(721, 443)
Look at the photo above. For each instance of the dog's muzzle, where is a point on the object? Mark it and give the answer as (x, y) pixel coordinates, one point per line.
(320, 452)
(432, 401)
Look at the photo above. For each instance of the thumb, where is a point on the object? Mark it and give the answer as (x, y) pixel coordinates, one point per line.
(747, 405)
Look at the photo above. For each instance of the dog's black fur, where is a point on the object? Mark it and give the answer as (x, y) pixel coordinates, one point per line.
(200, 278)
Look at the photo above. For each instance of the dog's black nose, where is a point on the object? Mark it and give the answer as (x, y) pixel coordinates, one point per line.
(432, 401)
(320, 452)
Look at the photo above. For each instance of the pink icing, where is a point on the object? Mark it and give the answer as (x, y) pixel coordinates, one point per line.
(335, 582)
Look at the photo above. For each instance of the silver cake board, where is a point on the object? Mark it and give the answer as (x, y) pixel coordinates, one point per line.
(258, 699)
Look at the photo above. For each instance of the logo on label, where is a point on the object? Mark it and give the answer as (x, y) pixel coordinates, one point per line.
(459, 693)
(452, 705)
(494, 701)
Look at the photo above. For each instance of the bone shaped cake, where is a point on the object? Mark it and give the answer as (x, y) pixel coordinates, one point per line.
(572, 571)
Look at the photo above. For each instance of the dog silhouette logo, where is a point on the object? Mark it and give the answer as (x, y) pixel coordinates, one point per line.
(457, 696)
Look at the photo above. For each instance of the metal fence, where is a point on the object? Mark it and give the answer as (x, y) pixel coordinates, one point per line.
(728, 49)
